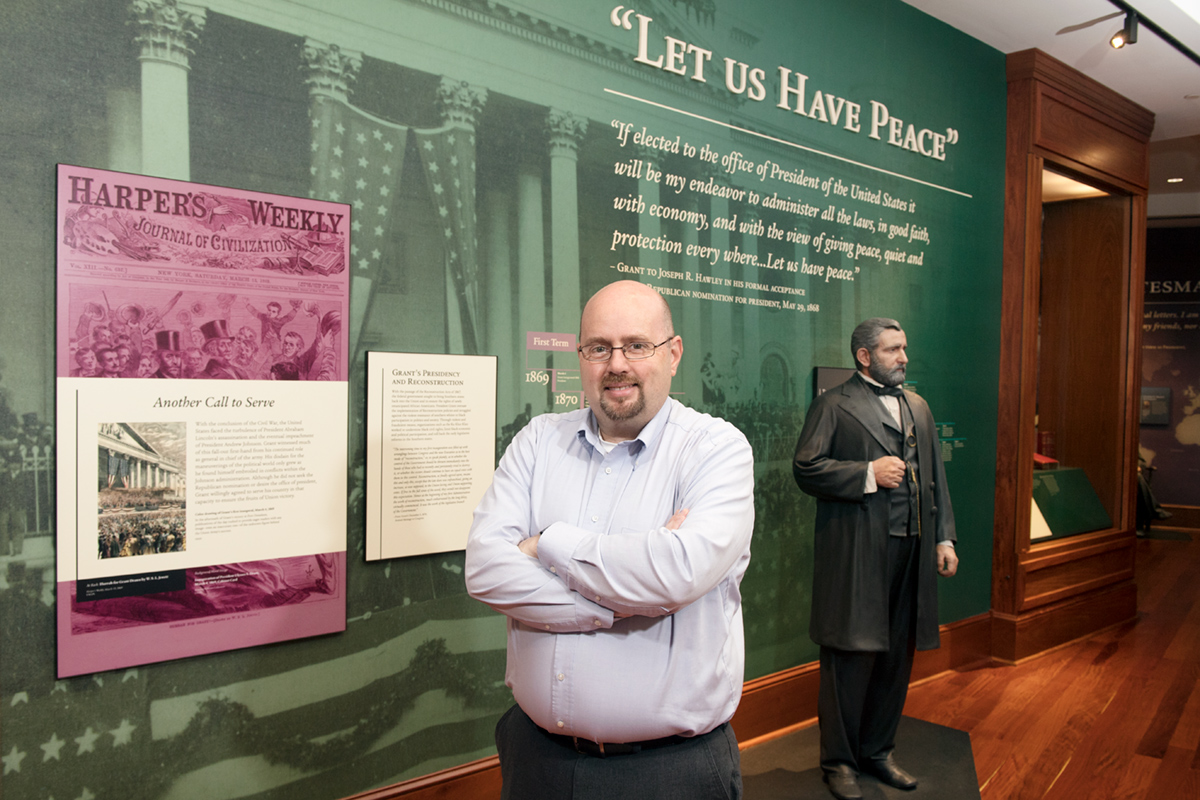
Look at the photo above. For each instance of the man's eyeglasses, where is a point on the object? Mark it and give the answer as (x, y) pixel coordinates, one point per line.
(634, 351)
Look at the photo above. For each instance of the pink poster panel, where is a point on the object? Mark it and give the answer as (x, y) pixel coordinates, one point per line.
(197, 515)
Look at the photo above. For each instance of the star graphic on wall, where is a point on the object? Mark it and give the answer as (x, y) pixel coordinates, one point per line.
(316, 122)
(387, 169)
(87, 742)
(360, 184)
(388, 146)
(51, 748)
(12, 761)
(379, 230)
(361, 138)
(337, 151)
(86, 795)
(377, 134)
(19, 697)
(362, 162)
(356, 225)
(123, 733)
(375, 254)
(382, 211)
(340, 128)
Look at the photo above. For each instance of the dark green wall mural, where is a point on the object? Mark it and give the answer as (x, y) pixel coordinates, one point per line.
(778, 170)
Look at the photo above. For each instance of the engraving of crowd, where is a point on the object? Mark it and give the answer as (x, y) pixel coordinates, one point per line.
(132, 343)
(142, 534)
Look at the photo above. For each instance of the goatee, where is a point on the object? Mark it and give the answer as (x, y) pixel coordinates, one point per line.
(623, 411)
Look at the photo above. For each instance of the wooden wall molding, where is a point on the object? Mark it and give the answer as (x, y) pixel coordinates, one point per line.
(1075, 567)
(1181, 517)
(771, 706)
(1091, 96)
(1017, 638)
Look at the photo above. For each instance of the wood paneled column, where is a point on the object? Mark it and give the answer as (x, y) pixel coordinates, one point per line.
(1064, 357)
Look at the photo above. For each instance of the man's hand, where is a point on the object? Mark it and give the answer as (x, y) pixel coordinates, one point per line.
(889, 471)
(529, 546)
(947, 560)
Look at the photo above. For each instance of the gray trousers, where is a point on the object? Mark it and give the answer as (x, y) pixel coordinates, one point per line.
(537, 766)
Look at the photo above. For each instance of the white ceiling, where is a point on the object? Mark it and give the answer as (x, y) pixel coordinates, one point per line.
(1151, 72)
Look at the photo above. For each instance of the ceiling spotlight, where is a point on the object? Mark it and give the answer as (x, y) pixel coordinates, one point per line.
(1174, 180)
(1127, 34)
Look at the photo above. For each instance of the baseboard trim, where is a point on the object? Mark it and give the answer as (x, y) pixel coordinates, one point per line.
(771, 706)
(1187, 517)
(1018, 638)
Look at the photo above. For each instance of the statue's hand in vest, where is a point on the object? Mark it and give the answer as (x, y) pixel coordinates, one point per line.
(889, 471)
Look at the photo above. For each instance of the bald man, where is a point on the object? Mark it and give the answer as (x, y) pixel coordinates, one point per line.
(615, 538)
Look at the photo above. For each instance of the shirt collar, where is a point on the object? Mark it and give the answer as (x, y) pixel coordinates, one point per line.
(867, 378)
(647, 438)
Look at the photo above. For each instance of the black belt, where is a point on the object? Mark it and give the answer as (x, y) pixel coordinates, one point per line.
(603, 749)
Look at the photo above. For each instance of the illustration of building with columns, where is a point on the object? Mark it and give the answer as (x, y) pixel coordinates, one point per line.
(148, 469)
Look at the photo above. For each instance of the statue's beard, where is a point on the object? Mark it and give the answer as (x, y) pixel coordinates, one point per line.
(888, 377)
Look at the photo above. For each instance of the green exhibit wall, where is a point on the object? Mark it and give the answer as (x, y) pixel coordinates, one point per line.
(778, 169)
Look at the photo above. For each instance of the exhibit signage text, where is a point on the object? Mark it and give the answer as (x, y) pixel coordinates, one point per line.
(791, 92)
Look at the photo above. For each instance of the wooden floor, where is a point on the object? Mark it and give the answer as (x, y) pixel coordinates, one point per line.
(1116, 716)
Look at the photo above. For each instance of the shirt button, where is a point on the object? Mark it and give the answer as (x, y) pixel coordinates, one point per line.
(596, 622)
(554, 570)
(608, 470)
(595, 519)
(562, 724)
(547, 627)
(562, 677)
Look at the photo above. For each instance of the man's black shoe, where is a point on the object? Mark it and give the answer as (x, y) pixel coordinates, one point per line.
(887, 771)
(843, 783)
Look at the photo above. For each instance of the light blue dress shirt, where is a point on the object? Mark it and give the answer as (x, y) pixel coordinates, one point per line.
(621, 630)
